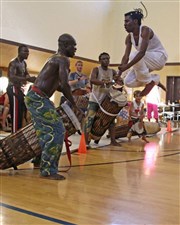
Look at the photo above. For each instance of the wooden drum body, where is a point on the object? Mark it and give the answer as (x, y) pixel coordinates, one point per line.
(109, 109)
(150, 128)
(82, 101)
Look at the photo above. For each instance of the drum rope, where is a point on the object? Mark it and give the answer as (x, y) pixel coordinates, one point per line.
(68, 143)
(102, 109)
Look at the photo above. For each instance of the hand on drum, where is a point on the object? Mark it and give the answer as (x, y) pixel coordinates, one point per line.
(108, 83)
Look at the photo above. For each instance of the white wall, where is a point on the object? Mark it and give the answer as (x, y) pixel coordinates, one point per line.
(97, 25)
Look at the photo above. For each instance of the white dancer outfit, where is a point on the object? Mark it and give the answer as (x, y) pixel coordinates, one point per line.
(154, 59)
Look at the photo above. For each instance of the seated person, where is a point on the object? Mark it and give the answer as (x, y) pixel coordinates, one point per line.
(78, 81)
(136, 116)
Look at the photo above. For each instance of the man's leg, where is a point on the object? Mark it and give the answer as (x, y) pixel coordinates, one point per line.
(50, 132)
(147, 88)
(162, 86)
(113, 135)
(91, 112)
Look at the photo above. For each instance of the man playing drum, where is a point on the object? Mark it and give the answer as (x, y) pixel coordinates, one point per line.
(101, 79)
(46, 120)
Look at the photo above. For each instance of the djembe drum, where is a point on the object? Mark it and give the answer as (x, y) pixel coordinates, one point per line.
(109, 109)
(82, 101)
(150, 128)
(23, 145)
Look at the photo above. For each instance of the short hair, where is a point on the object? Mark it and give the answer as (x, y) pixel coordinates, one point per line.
(22, 46)
(137, 93)
(104, 53)
(64, 38)
(79, 61)
(135, 15)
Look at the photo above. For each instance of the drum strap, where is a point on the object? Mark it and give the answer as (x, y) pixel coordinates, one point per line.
(71, 116)
(68, 143)
(103, 110)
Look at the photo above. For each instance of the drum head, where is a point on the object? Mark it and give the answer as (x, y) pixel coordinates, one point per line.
(118, 97)
(151, 127)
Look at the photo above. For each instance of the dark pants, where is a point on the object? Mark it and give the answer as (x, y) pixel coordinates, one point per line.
(17, 106)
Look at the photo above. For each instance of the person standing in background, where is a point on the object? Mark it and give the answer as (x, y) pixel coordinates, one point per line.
(78, 81)
(152, 101)
(18, 77)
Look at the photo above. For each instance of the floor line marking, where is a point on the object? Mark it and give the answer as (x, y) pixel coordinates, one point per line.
(35, 214)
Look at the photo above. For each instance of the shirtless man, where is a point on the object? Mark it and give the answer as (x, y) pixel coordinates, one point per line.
(47, 122)
(18, 76)
(150, 54)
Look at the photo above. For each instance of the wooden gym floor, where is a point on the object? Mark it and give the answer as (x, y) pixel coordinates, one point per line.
(137, 183)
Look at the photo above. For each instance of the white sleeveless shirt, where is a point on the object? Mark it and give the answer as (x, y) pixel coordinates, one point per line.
(99, 91)
(154, 45)
(136, 109)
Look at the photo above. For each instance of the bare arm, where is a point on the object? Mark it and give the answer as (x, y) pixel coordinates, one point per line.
(128, 44)
(72, 82)
(130, 110)
(63, 78)
(94, 79)
(142, 111)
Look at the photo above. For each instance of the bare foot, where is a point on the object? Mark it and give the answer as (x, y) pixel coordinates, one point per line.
(53, 177)
(114, 143)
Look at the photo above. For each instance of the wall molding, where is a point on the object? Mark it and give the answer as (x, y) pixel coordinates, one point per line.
(76, 57)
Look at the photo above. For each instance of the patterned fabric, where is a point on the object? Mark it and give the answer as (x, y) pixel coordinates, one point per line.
(124, 114)
(91, 111)
(49, 129)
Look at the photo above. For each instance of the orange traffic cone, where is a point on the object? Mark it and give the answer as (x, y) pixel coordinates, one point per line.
(169, 129)
(82, 145)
